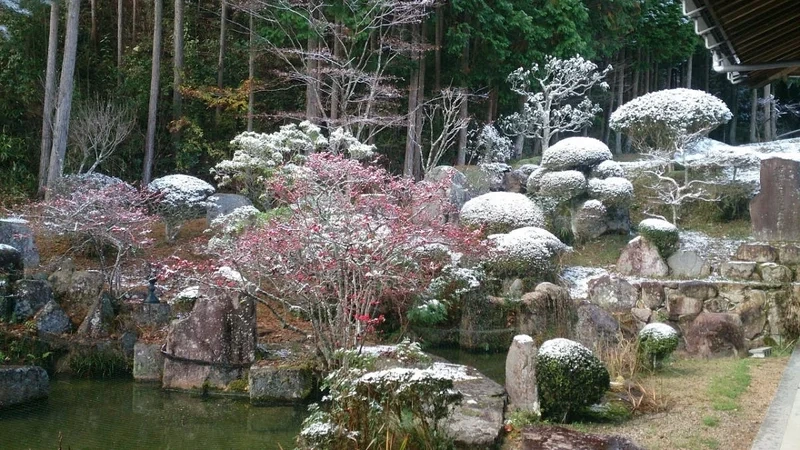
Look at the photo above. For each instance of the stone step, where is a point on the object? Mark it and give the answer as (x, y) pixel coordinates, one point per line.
(760, 352)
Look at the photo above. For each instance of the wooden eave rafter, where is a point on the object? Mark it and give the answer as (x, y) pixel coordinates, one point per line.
(755, 41)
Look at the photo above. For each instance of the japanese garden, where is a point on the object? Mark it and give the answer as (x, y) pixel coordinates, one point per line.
(399, 224)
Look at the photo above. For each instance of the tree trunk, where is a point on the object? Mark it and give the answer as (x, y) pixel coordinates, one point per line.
(413, 96)
(49, 95)
(251, 74)
(689, 65)
(150, 149)
(610, 108)
(418, 172)
(65, 89)
(312, 86)
(735, 112)
(768, 113)
(519, 141)
(620, 97)
(223, 32)
(93, 32)
(177, 68)
(463, 112)
(438, 37)
(647, 75)
(753, 114)
(636, 74)
(133, 22)
(335, 88)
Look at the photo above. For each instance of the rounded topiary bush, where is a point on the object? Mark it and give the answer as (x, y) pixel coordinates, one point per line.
(533, 181)
(501, 212)
(656, 342)
(580, 153)
(526, 252)
(569, 378)
(608, 169)
(613, 191)
(661, 233)
(562, 185)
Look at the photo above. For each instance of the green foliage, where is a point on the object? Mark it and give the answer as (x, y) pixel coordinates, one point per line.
(710, 421)
(569, 380)
(666, 240)
(655, 346)
(726, 388)
(99, 363)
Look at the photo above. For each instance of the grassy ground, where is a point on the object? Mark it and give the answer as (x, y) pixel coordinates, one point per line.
(711, 404)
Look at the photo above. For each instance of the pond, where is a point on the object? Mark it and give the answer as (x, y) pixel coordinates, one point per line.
(493, 365)
(123, 415)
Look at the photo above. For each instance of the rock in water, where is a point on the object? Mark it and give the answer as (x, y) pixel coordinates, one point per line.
(775, 210)
(521, 374)
(213, 345)
(20, 384)
(641, 258)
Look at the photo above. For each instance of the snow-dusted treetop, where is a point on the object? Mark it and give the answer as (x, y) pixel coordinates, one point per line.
(658, 331)
(581, 153)
(502, 212)
(666, 120)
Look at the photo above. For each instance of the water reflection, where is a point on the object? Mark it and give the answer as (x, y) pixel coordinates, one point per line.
(124, 415)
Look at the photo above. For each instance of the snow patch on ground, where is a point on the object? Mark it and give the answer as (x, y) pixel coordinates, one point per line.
(716, 250)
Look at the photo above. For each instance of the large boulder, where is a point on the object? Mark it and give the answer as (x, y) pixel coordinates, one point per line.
(277, 384)
(546, 312)
(775, 210)
(456, 189)
(612, 293)
(31, 296)
(589, 220)
(224, 204)
(17, 233)
(575, 153)
(642, 258)
(688, 264)
(501, 212)
(715, 334)
(213, 345)
(11, 263)
(476, 422)
(521, 374)
(98, 321)
(77, 290)
(21, 384)
(596, 327)
(52, 320)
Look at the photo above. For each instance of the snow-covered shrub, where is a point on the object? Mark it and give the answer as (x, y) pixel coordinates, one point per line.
(495, 173)
(569, 377)
(656, 342)
(366, 409)
(664, 122)
(501, 212)
(661, 233)
(227, 226)
(68, 184)
(180, 198)
(257, 154)
(533, 182)
(562, 185)
(444, 292)
(528, 252)
(580, 153)
(490, 146)
(608, 169)
(614, 191)
(342, 142)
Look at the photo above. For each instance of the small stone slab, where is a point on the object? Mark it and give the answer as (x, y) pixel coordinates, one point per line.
(739, 270)
(18, 234)
(760, 352)
(276, 384)
(775, 273)
(521, 374)
(148, 362)
(756, 252)
(688, 264)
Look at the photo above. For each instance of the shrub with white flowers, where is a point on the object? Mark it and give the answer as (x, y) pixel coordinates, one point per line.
(342, 142)
(501, 212)
(656, 342)
(569, 378)
(662, 123)
(661, 233)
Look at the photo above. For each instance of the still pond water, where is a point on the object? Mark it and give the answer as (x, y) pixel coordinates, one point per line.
(122, 415)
